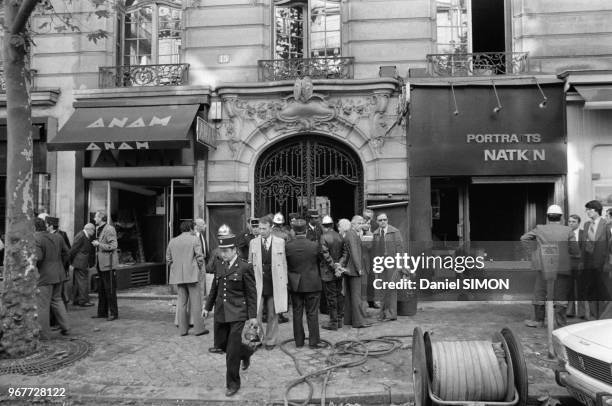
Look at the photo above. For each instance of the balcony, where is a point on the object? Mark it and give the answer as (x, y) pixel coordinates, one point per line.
(316, 68)
(477, 64)
(143, 75)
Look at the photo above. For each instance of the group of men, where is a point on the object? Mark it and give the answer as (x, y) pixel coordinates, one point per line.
(260, 274)
(64, 270)
(582, 265)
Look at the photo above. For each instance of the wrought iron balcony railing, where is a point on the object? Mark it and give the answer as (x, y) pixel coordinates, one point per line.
(316, 68)
(143, 75)
(477, 64)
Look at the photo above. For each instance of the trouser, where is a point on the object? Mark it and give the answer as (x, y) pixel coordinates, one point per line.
(67, 286)
(310, 302)
(562, 290)
(353, 304)
(219, 336)
(560, 312)
(189, 303)
(49, 299)
(596, 291)
(271, 337)
(107, 293)
(335, 300)
(81, 286)
(389, 302)
(235, 351)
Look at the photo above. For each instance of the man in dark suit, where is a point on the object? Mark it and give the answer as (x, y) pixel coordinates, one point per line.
(244, 239)
(354, 308)
(333, 252)
(314, 230)
(577, 305)
(305, 285)
(51, 253)
(82, 257)
(596, 254)
(234, 297)
(106, 263)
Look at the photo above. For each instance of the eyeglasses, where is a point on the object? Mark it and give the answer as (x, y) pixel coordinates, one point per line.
(382, 220)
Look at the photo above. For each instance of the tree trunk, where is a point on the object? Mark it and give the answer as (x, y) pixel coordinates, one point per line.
(18, 311)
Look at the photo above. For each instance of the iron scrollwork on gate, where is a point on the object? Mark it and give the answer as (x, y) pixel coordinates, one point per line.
(287, 176)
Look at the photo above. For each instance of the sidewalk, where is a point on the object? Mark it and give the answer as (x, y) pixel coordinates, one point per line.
(141, 357)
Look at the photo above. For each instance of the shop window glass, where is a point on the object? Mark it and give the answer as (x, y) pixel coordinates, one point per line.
(602, 174)
(152, 32)
(307, 29)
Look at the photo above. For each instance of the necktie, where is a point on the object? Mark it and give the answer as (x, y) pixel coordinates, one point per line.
(265, 242)
(381, 243)
(590, 245)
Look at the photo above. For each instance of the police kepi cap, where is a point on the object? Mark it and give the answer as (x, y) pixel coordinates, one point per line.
(313, 213)
(254, 222)
(327, 220)
(554, 209)
(299, 226)
(227, 241)
(52, 221)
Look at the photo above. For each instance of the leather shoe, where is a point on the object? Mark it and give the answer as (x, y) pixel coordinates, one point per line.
(65, 332)
(246, 363)
(282, 319)
(98, 317)
(269, 346)
(330, 326)
(184, 334)
(88, 304)
(373, 305)
(216, 350)
(231, 392)
(111, 318)
(205, 331)
(364, 326)
(318, 345)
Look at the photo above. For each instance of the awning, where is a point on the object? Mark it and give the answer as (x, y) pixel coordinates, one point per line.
(122, 128)
(596, 97)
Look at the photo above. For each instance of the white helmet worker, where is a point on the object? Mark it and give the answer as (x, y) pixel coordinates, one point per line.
(278, 219)
(554, 209)
(327, 220)
(224, 230)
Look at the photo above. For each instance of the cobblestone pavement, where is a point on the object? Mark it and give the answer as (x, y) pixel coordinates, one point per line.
(141, 357)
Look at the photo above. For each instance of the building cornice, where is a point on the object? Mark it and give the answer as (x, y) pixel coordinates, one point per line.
(142, 96)
(40, 97)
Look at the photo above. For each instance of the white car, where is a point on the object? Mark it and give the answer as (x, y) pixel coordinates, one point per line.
(584, 351)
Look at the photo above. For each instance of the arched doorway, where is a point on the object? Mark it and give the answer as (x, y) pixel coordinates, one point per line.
(309, 172)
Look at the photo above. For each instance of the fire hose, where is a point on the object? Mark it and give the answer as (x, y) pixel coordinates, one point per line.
(344, 348)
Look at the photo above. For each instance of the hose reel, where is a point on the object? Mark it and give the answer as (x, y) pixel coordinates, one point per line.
(469, 372)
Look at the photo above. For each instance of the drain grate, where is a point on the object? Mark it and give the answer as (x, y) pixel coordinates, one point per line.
(50, 356)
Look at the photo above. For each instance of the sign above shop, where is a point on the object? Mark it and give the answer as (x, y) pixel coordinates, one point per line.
(521, 138)
(206, 134)
(126, 128)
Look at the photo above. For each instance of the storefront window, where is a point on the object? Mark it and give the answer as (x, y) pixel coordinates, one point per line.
(152, 32)
(602, 175)
(307, 29)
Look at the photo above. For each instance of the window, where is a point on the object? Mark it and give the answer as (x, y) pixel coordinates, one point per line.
(306, 29)
(466, 26)
(152, 32)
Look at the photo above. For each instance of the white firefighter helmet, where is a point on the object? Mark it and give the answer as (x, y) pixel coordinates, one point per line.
(327, 220)
(554, 209)
(224, 230)
(278, 219)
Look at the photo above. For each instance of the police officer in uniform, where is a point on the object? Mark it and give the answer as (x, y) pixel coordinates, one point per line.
(234, 297)
(243, 241)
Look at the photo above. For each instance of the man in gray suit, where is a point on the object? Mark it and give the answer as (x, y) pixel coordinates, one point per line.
(596, 254)
(107, 261)
(184, 255)
(51, 253)
(82, 258)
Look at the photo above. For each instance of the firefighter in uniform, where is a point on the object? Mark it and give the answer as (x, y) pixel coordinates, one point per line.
(234, 297)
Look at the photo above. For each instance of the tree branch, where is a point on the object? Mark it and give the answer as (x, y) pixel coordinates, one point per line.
(23, 14)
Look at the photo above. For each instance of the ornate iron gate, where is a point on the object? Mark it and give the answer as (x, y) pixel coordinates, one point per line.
(287, 175)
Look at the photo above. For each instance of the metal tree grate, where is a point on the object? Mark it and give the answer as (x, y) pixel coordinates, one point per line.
(50, 356)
